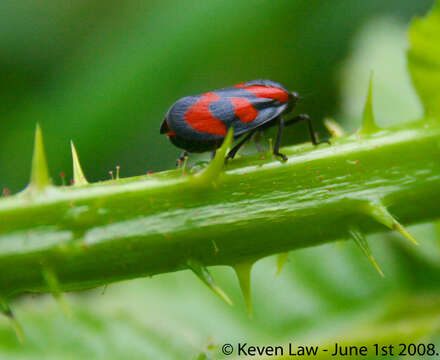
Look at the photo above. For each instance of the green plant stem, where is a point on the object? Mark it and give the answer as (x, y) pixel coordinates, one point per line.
(101, 233)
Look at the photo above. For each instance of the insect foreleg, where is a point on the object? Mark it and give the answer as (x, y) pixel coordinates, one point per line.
(276, 147)
(312, 132)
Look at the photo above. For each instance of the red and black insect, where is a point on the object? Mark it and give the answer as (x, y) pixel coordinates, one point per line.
(200, 123)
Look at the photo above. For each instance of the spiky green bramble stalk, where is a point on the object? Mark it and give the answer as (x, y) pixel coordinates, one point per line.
(72, 238)
(95, 234)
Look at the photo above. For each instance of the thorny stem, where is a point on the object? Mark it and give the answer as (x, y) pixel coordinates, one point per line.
(100, 233)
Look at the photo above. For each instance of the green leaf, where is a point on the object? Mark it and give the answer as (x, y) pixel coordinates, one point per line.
(424, 59)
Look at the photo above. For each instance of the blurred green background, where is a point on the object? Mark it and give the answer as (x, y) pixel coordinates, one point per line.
(105, 73)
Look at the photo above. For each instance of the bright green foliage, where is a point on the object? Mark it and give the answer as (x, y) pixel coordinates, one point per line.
(379, 47)
(424, 59)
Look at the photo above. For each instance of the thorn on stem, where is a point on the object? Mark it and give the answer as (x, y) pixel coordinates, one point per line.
(281, 261)
(210, 175)
(6, 310)
(40, 178)
(362, 243)
(78, 174)
(54, 287)
(380, 213)
(204, 275)
(243, 272)
(368, 121)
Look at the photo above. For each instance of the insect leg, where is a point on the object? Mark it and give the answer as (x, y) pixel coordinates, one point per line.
(276, 148)
(181, 158)
(296, 119)
(237, 147)
(213, 154)
(313, 136)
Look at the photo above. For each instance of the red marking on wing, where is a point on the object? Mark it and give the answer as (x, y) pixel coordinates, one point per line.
(269, 92)
(244, 109)
(200, 118)
(170, 133)
(240, 85)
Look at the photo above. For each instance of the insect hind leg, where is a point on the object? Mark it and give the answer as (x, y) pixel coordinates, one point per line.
(237, 147)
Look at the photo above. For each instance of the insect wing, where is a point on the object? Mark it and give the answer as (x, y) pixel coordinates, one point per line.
(190, 118)
(244, 107)
(245, 113)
